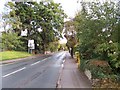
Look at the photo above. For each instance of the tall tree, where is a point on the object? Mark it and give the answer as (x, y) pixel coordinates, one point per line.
(45, 15)
(97, 27)
(70, 35)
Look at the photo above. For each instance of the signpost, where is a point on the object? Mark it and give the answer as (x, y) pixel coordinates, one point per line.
(31, 46)
(31, 43)
(24, 33)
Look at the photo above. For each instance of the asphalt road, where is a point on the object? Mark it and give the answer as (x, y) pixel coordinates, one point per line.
(38, 73)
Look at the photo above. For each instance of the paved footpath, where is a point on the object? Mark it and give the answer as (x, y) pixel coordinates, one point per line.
(71, 77)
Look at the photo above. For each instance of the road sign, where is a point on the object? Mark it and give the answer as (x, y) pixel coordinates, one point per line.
(24, 32)
(31, 44)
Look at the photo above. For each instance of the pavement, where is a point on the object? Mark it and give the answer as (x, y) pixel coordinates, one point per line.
(71, 76)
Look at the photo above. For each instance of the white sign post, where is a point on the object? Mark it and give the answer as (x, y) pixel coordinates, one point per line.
(24, 33)
(31, 45)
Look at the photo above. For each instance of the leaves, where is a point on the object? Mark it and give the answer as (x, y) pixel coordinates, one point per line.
(11, 41)
(46, 15)
(97, 30)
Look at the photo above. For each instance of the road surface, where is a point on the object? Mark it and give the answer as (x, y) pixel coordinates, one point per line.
(38, 73)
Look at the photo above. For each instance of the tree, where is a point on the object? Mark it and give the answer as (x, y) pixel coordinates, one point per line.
(71, 42)
(53, 46)
(97, 30)
(10, 18)
(46, 15)
(11, 41)
(70, 35)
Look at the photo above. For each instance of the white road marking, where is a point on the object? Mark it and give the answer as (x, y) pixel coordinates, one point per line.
(14, 72)
(35, 63)
(39, 61)
(62, 65)
(24, 67)
(63, 61)
(44, 59)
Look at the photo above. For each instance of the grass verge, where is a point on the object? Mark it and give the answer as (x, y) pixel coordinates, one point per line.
(8, 55)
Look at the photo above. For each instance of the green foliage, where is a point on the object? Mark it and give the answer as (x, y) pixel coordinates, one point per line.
(99, 72)
(99, 69)
(112, 53)
(97, 30)
(69, 29)
(53, 46)
(46, 15)
(71, 42)
(11, 41)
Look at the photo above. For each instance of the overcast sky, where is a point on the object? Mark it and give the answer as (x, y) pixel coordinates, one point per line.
(69, 6)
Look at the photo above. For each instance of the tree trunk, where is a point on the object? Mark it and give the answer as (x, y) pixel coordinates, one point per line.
(35, 47)
(43, 48)
(72, 52)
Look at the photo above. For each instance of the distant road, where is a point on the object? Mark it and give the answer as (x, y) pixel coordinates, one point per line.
(37, 73)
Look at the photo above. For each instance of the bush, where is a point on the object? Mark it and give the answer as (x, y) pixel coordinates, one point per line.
(11, 41)
(98, 68)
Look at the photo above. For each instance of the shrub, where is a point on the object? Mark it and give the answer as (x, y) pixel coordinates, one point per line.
(98, 68)
(11, 41)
